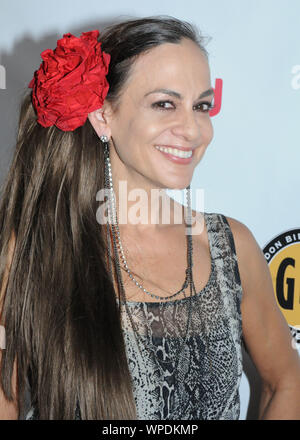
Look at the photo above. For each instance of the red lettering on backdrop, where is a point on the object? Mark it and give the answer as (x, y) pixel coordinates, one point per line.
(218, 97)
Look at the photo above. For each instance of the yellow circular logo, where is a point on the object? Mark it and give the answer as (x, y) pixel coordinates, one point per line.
(283, 257)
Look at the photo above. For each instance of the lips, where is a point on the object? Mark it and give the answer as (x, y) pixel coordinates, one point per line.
(181, 156)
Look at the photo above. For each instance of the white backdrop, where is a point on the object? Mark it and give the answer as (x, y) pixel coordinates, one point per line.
(251, 169)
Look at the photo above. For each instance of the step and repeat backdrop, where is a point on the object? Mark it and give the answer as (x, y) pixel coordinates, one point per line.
(251, 169)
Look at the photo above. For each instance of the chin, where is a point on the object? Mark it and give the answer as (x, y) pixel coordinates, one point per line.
(179, 184)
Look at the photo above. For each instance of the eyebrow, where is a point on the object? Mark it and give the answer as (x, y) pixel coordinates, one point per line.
(178, 95)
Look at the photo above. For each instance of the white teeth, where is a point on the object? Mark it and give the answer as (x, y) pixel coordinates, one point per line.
(175, 151)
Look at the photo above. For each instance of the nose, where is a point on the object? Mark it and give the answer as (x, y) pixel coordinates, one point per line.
(188, 125)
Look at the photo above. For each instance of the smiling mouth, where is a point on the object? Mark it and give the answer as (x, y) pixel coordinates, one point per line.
(175, 152)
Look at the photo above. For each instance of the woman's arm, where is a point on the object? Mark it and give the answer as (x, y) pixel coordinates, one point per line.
(266, 334)
(8, 410)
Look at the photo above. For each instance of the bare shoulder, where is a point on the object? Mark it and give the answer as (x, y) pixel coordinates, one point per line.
(254, 271)
(265, 331)
(243, 237)
(250, 257)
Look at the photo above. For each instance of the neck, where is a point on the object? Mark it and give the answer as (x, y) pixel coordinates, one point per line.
(140, 204)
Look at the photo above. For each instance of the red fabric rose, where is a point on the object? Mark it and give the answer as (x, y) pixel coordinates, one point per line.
(70, 82)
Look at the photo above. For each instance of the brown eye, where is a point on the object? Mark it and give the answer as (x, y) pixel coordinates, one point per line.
(162, 105)
(205, 107)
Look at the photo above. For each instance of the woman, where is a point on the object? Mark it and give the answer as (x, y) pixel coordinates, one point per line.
(96, 315)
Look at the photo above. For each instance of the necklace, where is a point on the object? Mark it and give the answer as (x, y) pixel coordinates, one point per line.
(120, 247)
(163, 298)
(114, 221)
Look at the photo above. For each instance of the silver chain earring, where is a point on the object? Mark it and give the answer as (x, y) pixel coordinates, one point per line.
(104, 138)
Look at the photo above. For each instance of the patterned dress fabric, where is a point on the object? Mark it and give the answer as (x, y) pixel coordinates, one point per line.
(193, 376)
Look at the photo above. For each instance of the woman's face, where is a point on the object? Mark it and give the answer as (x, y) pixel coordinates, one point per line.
(146, 117)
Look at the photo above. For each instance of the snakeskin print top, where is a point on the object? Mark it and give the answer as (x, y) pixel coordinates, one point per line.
(197, 378)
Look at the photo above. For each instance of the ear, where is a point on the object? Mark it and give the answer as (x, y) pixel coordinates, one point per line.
(100, 121)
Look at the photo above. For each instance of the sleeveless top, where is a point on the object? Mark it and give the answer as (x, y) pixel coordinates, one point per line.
(197, 378)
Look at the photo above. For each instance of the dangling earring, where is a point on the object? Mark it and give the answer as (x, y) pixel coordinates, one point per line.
(104, 138)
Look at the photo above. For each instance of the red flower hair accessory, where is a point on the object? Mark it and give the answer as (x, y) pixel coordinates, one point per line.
(71, 81)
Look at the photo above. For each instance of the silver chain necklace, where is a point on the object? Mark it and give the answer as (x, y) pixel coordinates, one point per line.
(116, 240)
(120, 247)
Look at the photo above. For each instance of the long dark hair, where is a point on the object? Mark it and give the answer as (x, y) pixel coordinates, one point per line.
(60, 311)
